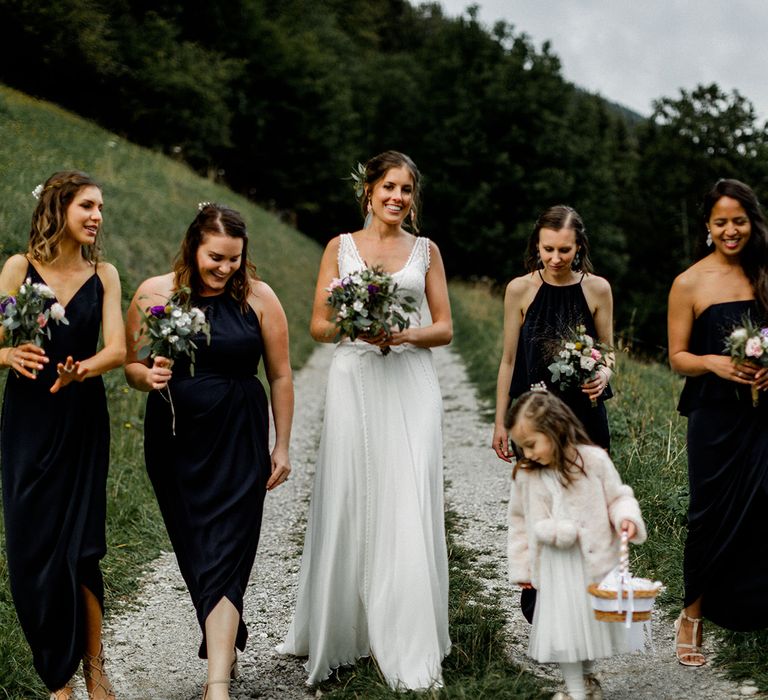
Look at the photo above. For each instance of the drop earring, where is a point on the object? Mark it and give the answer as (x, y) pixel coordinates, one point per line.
(709, 238)
(369, 215)
(576, 262)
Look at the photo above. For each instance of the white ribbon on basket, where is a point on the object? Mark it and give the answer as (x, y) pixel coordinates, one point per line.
(624, 580)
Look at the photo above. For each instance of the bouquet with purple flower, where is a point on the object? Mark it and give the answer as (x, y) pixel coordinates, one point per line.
(369, 303)
(26, 313)
(168, 329)
(748, 344)
(577, 359)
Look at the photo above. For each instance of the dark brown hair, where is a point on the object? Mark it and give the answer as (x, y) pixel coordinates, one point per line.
(377, 167)
(218, 220)
(49, 220)
(556, 218)
(547, 414)
(754, 256)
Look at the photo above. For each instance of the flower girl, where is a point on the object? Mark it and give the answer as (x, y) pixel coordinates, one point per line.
(566, 511)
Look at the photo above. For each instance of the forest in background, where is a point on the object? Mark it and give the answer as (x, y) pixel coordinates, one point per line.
(279, 99)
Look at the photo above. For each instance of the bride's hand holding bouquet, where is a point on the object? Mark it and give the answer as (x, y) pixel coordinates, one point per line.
(369, 306)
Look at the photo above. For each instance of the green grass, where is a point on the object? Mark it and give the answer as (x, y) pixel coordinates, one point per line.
(149, 201)
(648, 447)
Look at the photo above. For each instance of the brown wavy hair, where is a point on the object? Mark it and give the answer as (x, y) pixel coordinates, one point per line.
(377, 167)
(218, 220)
(49, 220)
(549, 415)
(556, 218)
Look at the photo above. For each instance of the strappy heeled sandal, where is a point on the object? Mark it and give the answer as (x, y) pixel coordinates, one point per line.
(694, 657)
(205, 686)
(93, 672)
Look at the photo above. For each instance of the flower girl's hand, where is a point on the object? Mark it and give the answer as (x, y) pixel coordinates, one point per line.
(526, 585)
(629, 527)
(69, 371)
(159, 373)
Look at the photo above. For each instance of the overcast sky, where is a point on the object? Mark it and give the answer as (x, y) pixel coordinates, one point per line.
(634, 51)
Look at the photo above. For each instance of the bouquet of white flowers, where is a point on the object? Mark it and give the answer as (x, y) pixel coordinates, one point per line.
(25, 314)
(748, 344)
(578, 357)
(369, 303)
(168, 330)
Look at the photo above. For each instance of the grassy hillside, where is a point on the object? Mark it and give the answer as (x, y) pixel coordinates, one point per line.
(148, 202)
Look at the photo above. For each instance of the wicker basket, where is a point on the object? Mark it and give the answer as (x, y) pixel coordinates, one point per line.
(631, 600)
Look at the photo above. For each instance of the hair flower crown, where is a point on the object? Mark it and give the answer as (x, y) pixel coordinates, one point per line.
(37, 191)
(203, 205)
(539, 388)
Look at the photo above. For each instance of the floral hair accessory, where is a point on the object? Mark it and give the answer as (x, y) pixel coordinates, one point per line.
(37, 191)
(203, 205)
(358, 178)
(539, 388)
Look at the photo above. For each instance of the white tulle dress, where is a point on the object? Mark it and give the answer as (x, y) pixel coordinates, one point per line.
(374, 572)
(564, 626)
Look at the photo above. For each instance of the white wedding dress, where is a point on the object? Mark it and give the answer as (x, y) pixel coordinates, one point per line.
(374, 572)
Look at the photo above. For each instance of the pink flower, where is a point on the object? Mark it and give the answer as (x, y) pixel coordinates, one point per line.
(754, 347)
(42, 320)
(335, 282)
(596, 354)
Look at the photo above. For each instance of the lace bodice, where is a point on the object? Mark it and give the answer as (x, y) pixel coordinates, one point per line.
(410, 278)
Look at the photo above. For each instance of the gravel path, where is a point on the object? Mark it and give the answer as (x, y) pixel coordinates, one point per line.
(152, 647)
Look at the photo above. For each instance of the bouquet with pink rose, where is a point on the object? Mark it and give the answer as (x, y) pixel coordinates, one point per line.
(577, 359)
(368, 302)
(26, 313)
(748, 344)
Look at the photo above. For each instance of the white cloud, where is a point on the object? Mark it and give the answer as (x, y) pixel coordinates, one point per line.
(635, 51)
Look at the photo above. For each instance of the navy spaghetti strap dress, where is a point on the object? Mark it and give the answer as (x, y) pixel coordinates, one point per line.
(55, 457)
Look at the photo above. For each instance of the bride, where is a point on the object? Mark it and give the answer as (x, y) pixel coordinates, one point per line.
(374, 573)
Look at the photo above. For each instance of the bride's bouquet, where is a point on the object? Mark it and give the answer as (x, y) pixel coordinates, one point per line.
(748, 344)
(369, 303)
(577, 359)
(25, 314)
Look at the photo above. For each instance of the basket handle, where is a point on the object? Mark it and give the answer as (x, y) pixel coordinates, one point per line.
(624, 555)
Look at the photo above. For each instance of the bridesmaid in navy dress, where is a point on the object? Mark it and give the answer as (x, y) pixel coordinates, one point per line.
(211, 466)
(54, 441)
(725, 566)
(558, 293)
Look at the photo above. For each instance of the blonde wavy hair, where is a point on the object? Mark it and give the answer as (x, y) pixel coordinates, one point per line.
(49, 220)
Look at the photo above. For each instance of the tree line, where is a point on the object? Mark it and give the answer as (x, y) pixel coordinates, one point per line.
(281, 98)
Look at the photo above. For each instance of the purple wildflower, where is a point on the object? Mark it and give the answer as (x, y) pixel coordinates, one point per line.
(158, 311)
(373, 289)
(5, 303)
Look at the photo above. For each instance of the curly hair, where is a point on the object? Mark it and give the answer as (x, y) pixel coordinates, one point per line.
(216, 219)
(556, 218)
(49, 220)
(547, 414)
(754, 256)
(377, 167)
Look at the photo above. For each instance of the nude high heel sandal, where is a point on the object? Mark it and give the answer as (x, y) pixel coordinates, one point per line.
(93, 672)
(694, 656)
(65, 693)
